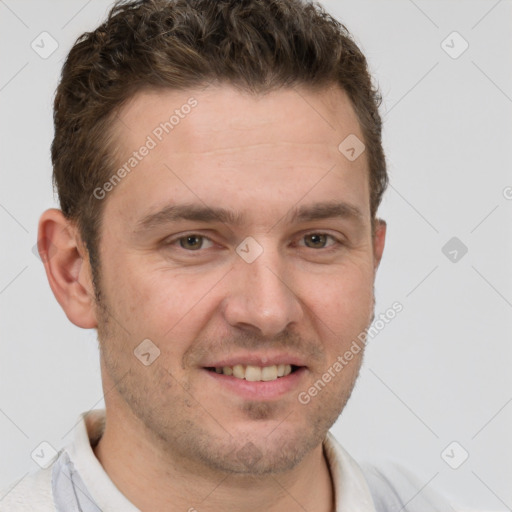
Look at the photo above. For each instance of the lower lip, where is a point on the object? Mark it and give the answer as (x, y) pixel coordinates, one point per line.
(259, 390)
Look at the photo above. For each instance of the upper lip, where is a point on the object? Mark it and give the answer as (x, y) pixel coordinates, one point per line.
(256, 360)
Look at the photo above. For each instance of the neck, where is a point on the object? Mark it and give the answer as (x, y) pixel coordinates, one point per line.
(152, 480)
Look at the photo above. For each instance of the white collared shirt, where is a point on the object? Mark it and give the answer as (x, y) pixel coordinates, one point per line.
(77, 482)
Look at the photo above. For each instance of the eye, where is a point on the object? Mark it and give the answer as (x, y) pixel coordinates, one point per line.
(193, 242)
(319, 240)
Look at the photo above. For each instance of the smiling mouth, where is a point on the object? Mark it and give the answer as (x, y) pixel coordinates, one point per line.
(255, 373)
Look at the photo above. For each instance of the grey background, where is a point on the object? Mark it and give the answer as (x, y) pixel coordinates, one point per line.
(440, 371)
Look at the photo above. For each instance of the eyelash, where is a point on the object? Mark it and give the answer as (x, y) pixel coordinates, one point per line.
(330, 248)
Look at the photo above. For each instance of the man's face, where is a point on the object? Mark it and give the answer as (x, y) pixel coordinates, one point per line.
(281, 278)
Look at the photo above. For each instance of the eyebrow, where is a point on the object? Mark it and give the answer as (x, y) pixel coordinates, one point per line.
(203, 213)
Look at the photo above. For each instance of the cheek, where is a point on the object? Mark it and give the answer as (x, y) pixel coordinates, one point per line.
(163, 304)
(343, 301)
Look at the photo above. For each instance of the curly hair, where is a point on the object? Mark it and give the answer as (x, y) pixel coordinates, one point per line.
(255, 45)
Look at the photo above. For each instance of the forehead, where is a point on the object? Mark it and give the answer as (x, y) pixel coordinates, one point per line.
(219, 145)
(308, 115)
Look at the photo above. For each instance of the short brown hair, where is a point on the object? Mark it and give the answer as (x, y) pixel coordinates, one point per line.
(256, 45)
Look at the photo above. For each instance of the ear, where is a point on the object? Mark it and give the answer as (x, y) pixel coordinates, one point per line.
(379, 239)
(67, 267)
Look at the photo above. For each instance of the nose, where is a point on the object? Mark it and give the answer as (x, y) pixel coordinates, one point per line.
(260, 297)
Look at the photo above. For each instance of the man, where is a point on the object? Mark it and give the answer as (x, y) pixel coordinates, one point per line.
(219, 169)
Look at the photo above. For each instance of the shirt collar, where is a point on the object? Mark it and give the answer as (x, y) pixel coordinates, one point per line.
(351, 491)
(99, 485)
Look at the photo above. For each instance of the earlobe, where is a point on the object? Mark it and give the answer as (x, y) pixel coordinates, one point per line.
(67, 267)
(379, 239)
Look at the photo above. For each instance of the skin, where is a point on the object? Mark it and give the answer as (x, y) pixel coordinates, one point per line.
(176, 437)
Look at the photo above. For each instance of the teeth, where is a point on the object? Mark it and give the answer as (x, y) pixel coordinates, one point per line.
(239, 371)
(252, 373)
(269, 373)
(256, 373)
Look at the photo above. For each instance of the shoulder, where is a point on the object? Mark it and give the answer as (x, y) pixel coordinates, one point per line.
(393, 487)
(33, 492)
(389, 486)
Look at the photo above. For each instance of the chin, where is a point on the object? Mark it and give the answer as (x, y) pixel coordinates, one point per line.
(273, 449)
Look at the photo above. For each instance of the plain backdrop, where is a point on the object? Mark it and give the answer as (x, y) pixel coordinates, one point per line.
(438, 373)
